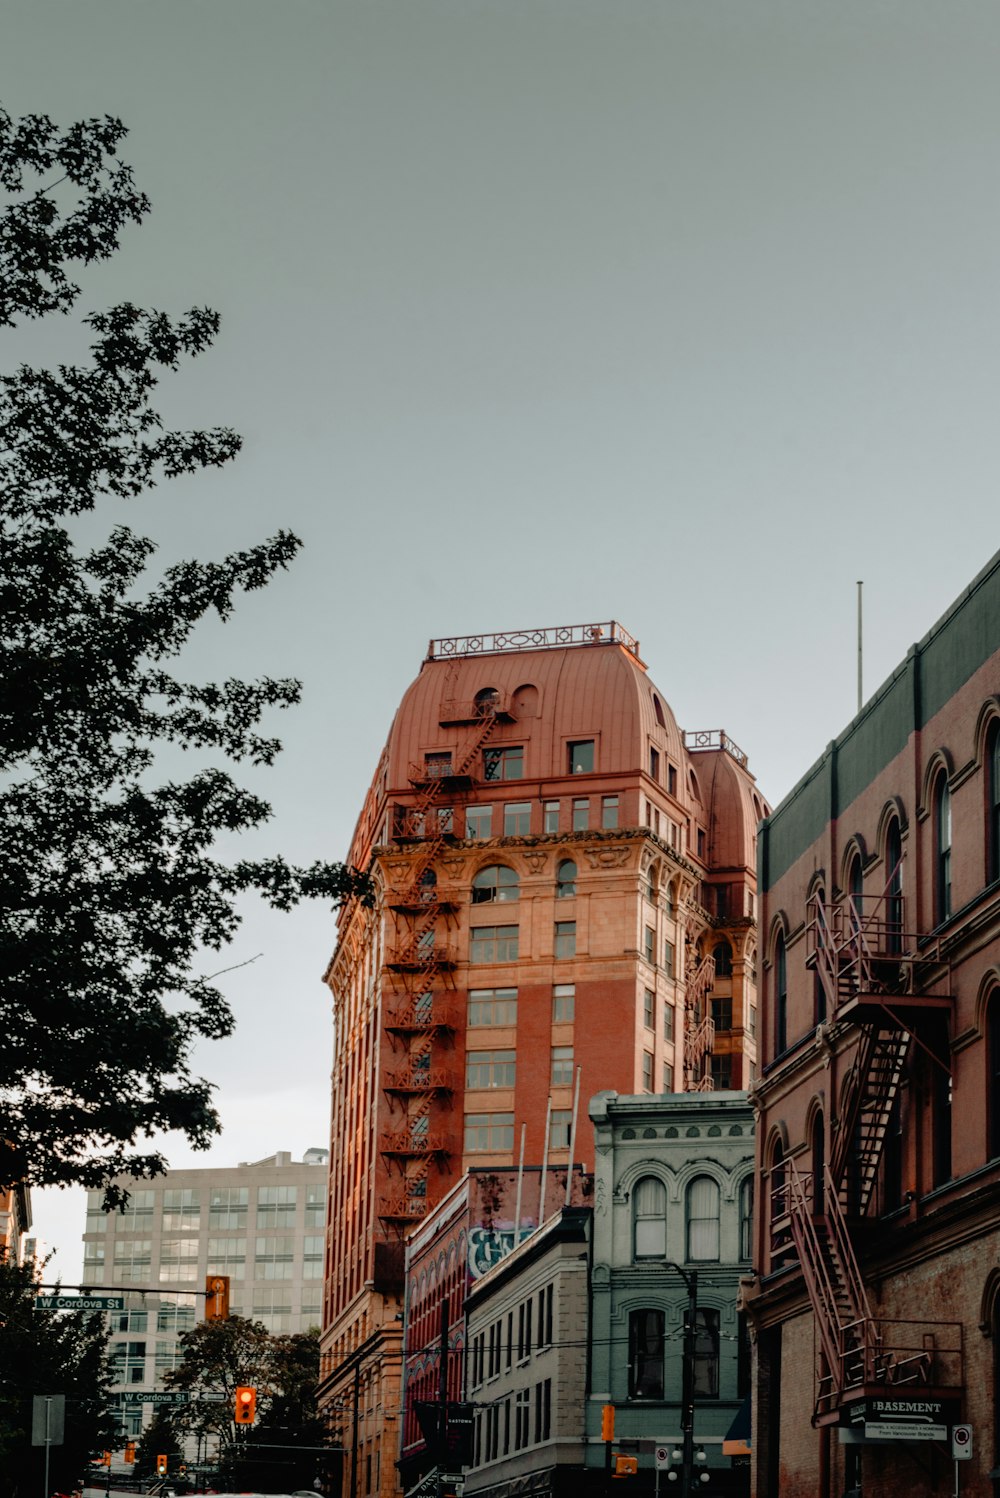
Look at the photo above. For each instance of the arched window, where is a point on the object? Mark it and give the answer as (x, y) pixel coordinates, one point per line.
(993, 1074)
(780, 996)
(855, 891)
(495, 882)
(993, 802)
(723, 954)
(703, 1220)
(746, 1219)
(486, 701)
(649, 1217)
(818, 1142)
(658, 710)
(780, 1240)
(428, 886)
(894, 887)
(819, 992)
(565, 879)
(942, 849)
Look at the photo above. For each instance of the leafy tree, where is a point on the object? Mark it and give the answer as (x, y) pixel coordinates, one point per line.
(109, 888)
(278, 1453)
(48, 1352)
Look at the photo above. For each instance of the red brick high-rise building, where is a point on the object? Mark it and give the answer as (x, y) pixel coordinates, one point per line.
(565, 902)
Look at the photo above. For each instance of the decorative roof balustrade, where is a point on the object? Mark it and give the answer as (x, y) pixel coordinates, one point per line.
(549, 637)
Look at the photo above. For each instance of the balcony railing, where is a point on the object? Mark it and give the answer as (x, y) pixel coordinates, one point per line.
(551, 637)
(702, 739)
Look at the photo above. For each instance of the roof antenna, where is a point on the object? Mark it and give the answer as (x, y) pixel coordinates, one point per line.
(860, 586)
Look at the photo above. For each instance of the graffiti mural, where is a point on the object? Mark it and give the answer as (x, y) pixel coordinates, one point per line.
(487, 1246)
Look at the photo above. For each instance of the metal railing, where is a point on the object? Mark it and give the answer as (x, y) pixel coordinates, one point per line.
(696, 739)
(549, 637)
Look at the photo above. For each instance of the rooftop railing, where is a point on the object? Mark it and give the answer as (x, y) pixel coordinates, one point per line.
(713, 738)
(554, 637)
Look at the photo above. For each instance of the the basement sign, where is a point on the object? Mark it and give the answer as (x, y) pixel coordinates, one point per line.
(899, 1419)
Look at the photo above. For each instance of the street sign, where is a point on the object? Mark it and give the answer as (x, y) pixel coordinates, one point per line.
(151, 1396)
(79, 1302)
(663, 1458)
(961, 1442)
(48, 1415)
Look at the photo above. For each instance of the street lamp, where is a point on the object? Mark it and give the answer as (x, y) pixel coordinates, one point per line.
(688, 1486)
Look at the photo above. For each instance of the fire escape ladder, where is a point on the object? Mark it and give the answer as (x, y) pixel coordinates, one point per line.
(861, 1136)
(699, 1029)
(824, 944)
(848, 1335)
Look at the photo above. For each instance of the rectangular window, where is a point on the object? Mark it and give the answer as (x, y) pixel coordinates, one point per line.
(490, 1068)
(478, 821)
(274, 1255)
(580, 757)
(130, 1321)
(227, 1256)
(312, 1256)
(563, 1003)
(668, 1021)
(524, 1330)
(133, 1257)
(521, 1436)
(562, 1066)
(138, 1214)
(489, 1132)
(176, 1316)
(668, 1077)
(551, 816)
(560, 1127)
(671, 779)
(722, 1013)
(581, 814)
(701, 842)
(181, 1209)
(509, 1344)
(609, 811)
(128, 1362)
(752, 1019)
(437, 765)
(276, 1206)
(722, 1073)
(504, 764)
(565, 940)
(668, 958)
(654, 764)
(315, 1206)
(649, 945)
(647, 1071)
(178, 1260)
(517, 819)
(543, 1410)
(227, 1208)
(492, 1006)
(649, 1008)
(645, 1370)
(493, 944)
(545, 1316)
(706, 1353)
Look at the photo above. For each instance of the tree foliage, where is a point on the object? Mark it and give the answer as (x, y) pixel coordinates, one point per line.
(110, 887)
(279, 1452)
(43, 1352)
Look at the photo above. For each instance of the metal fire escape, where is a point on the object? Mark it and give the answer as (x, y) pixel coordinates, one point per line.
(872, 978)
(699, 1027)
(421, 1017)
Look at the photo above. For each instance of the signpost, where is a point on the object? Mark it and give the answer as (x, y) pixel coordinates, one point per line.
(48, 1419)
(901, 1418)
(79, 1303)
(151, 1396)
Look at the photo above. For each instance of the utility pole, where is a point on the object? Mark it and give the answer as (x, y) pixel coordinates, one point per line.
(690, 1278)
(354, 1436)
(443, 1396)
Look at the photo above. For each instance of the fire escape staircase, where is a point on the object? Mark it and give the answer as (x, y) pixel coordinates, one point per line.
(699, 1029)
(860, 958)
(418, 961)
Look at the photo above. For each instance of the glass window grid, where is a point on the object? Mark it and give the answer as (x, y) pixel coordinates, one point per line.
(491, 1132)
(517, 819)
(490, 1069)
(581, 813)
(565, 939)
(562, 1066)
(563, 1003)
(492, 1006)
(478, 822)
(609, 811)
(580, 756)
(493, 944)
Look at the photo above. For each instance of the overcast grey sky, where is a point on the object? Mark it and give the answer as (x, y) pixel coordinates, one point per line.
(537, 312)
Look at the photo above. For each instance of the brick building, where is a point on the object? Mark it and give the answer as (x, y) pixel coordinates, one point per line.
(876, 1304)
(564, 902)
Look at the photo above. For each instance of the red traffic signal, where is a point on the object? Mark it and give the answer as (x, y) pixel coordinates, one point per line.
(130, 1452)
(246, 1405)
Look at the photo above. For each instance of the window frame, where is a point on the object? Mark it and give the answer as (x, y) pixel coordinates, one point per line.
(576, 761)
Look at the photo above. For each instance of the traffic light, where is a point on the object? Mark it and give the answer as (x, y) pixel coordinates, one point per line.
(246, 1405)
(217, 1297)
(182, 1470)
(105, 1460)
(607, 1422)
(130, 1452)
(161, 1465)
